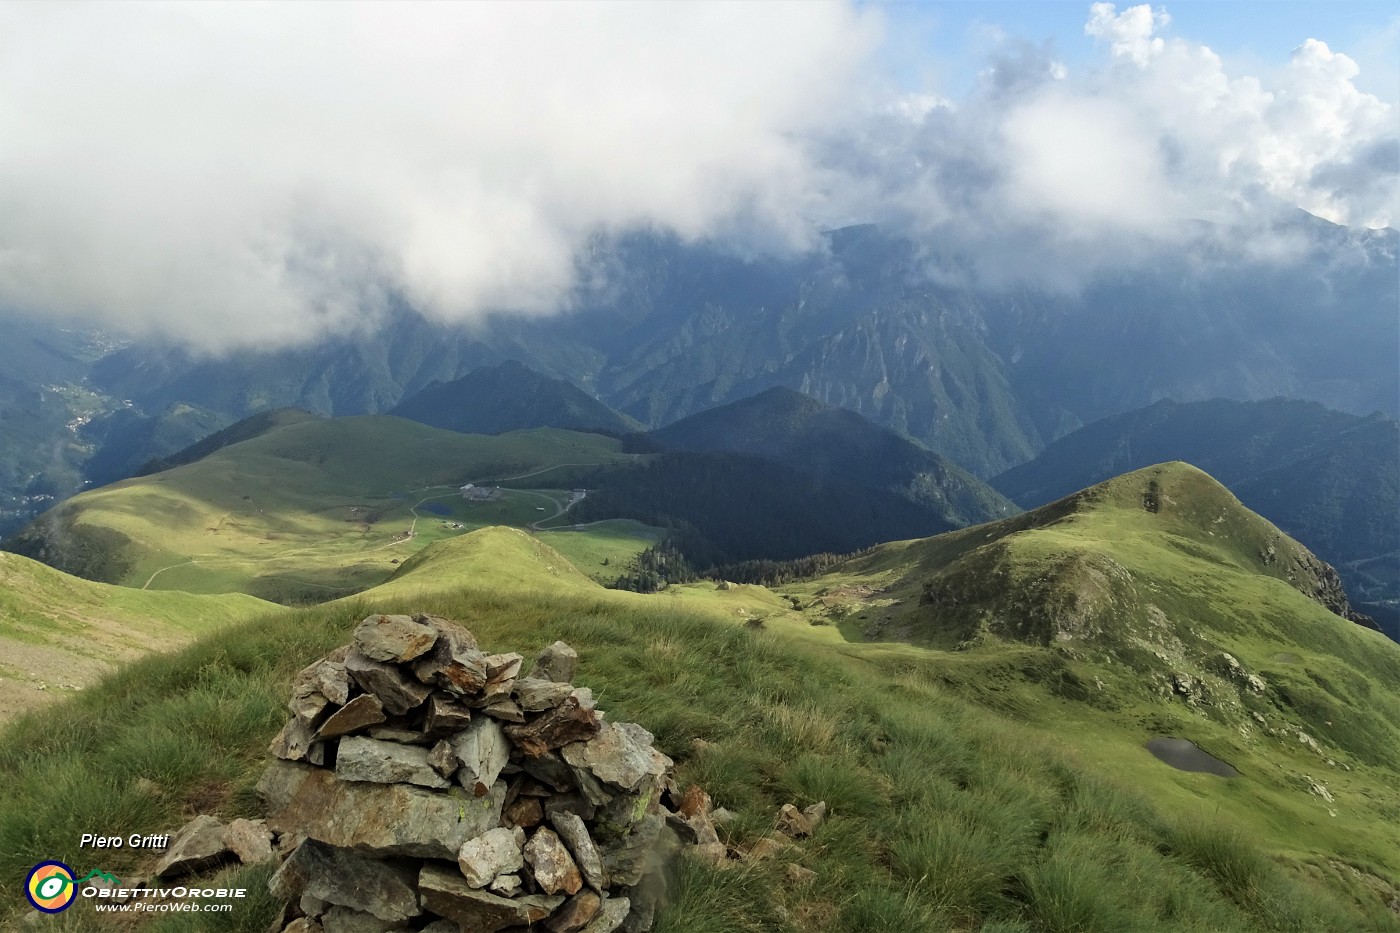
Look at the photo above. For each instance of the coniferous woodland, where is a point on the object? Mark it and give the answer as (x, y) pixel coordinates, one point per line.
(727, 509)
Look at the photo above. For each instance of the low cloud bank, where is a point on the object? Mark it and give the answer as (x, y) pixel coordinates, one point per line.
(234, 175)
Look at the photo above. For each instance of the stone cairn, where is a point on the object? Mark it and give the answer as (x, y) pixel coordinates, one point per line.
(422, 784)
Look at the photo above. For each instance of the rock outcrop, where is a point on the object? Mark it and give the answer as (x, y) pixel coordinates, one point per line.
(437, 788)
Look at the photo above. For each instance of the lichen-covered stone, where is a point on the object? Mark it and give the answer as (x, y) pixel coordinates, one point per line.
(628, 859)
(551, 864)
(495, 852)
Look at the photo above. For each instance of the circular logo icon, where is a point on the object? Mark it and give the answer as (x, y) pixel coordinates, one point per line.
(50, 887)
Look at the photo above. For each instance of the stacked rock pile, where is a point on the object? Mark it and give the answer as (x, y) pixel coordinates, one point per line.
(437, 789)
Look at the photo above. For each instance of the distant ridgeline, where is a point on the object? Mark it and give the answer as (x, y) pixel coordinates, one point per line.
(674, 328)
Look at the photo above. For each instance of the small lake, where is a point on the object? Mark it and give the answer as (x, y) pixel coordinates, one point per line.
(435, 508)
(1185, 755)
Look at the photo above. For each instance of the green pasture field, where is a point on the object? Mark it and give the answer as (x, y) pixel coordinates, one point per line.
(967, 791)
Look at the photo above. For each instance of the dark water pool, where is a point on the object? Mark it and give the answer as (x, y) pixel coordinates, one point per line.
(1185, 755)
(435, 508)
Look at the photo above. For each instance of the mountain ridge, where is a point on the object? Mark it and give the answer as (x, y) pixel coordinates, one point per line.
(510, 397)
(836, 445)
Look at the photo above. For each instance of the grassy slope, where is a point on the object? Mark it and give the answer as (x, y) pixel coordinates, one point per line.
(310, 510)
(1129, 599)
(59, 633)
(965, 794)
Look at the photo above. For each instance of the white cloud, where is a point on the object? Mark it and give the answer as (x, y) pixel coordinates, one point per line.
(256, 173)
(262, 173)
(1048, 175)
(1129, 34)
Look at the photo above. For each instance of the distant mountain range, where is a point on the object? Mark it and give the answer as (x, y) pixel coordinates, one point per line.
(871, 321)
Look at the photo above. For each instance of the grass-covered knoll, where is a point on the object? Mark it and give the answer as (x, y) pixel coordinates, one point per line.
(59, 633)
(310, 510)
(946, 814)
(1328, 478)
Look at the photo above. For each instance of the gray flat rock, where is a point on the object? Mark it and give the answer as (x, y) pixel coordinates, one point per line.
(536, 694)
(359, 714)
(394, 639)
(364, 759)
(558, 662)
(199, 845)
(344, 920)
(387, 890)
(483, 751)
(445, 892)
(610, 916)
(294, 741)
(397, 692)
(378, 819)
(620, 755)
(326, 677)
(574, 833)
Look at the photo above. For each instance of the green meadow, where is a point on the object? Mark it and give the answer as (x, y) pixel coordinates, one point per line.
(320, 509)
(970, 790)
